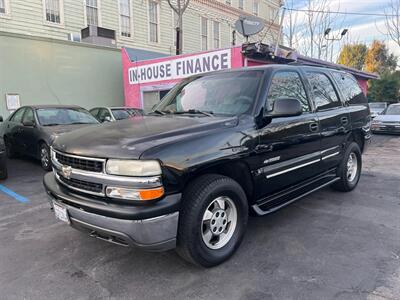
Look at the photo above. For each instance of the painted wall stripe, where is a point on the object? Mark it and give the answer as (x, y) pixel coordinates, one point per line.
(13, 194)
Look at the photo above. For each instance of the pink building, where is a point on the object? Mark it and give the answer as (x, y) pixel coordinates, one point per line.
(148, 76)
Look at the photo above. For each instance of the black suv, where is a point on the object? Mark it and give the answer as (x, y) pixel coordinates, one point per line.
(217, 147)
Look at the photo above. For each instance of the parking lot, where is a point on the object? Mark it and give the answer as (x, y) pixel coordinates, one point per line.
(329, 245)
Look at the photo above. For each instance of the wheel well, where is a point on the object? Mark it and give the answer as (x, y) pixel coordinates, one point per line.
(358, 137)
(237, 171)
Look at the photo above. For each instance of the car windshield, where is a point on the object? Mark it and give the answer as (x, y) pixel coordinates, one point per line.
(377, 105)
(64, 116)
(230, 93)
(393, 110)
(121, 113)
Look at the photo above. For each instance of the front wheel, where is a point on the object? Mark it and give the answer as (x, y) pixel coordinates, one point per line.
(45, 157)
(212, 220)
(349, 170)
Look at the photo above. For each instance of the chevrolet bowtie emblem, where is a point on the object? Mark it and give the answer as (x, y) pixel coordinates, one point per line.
(66, 171)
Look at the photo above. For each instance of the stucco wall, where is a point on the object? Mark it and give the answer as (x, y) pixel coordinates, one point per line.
(44, 71)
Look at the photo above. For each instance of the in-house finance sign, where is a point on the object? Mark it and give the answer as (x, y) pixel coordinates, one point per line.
(181, 67)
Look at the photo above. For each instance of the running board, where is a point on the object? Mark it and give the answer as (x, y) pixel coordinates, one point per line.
(261, 212)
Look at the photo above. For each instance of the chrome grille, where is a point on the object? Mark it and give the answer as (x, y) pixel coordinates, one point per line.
(80, 162)
(82, 185)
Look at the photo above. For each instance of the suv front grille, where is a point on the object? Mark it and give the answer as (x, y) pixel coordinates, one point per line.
(80, 163)
(82, 185)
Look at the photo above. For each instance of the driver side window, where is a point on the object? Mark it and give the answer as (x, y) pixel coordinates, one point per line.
(287, 84)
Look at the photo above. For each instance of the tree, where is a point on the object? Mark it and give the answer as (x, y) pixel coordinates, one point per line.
(385, 89)
(378, 60)
(392, 21)
(353, 55)
(179, 8)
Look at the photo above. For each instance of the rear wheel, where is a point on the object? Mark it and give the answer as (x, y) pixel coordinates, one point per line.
(45, 157)
(350, 169)
(212, 220)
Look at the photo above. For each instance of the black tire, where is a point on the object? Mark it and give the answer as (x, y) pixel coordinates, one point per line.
(10, 151)
(346, 182)
(44, 154)
(3, 167)
(196, 200)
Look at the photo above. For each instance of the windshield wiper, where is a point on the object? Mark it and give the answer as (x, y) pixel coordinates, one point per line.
(76, 123)
(194, 112)
(159, 112)
(51, 124)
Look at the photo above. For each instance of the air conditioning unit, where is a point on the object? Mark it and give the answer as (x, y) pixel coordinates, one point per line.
(98, 36)
(74, 37)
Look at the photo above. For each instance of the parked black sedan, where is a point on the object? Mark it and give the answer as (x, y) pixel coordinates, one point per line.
(3, 165)
(30, 130)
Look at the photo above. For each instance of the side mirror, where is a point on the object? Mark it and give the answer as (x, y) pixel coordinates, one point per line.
(1, 119)
(107, 119)
(28, 123)
(286, 107)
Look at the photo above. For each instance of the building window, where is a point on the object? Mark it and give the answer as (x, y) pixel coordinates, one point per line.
(125, 17)
(255, 7)
(153, 21)
(3, 9)
(92, 12)
(204, 34)
(216, 35)
(228, 2)
(273, 14)
(52, 11)
(241, 4)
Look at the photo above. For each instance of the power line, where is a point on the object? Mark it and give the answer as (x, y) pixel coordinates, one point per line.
(341, 12)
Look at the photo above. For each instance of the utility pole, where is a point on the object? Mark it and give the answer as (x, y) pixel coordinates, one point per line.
(179, 9)
(332, 39)
(278, 39)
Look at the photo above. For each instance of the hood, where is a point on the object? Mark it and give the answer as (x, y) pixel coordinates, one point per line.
(59, 129)
(387, 118)
(131, 137)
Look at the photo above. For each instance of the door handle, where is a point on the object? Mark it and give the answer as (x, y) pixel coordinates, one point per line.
(344, 121)
(314, 127)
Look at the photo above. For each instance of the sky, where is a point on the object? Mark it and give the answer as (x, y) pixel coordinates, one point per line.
(361, 28)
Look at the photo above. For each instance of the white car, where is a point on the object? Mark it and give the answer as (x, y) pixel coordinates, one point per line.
(388, 121)
(376, 108)
(112, 114)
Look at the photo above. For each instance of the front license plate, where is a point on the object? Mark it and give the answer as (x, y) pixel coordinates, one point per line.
(61, 212)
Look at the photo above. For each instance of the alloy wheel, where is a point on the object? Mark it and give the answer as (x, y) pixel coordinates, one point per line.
(219, 222)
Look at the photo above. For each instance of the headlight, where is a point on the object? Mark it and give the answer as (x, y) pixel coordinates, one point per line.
(133, 167)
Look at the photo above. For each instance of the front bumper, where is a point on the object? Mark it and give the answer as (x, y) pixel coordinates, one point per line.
(153, 227)
(376, 128)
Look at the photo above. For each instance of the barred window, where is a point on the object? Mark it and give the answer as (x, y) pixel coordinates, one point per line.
(216, 35)
(125, 17)
(153, 21)
(204, 34)
(241, 4)
(53, 14)
(255, 7)
(92, 12)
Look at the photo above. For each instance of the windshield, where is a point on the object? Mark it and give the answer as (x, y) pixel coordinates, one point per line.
(377, 105)
(121, 113)
(231, 93)
(64, 116)
(393, 110)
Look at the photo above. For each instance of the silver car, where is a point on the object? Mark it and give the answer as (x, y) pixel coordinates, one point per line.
(112, 114)
(388, 121)
(376, 108)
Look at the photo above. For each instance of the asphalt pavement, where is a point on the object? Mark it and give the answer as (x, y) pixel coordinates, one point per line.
(329, 245)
